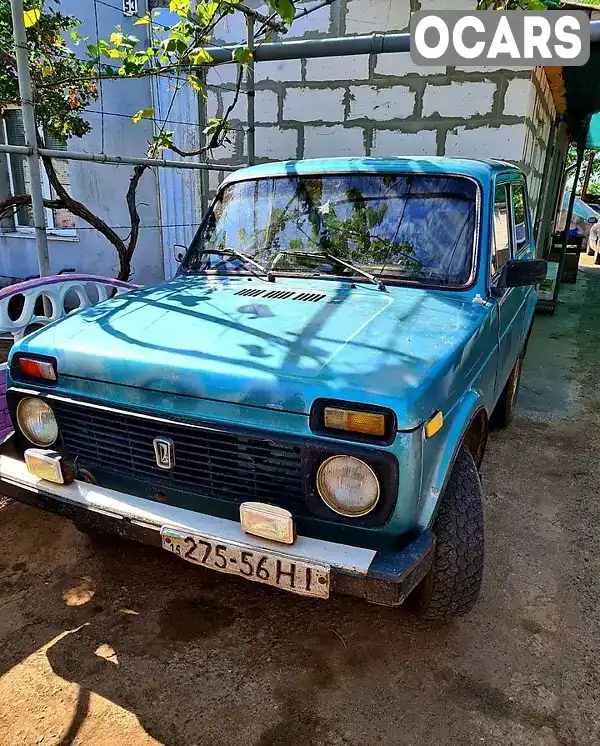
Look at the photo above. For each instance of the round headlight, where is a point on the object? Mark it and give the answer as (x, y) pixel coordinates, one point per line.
(348, 485)
(36, 420)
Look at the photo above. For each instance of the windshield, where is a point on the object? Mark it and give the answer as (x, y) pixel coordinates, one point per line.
(404, 227)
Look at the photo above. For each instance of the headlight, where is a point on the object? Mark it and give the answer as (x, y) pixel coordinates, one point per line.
(348, 485)
(36, 420)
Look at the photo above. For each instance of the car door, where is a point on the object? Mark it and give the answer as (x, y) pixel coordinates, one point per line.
(508, 302)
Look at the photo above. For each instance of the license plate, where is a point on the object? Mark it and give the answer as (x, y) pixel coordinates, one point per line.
(281, 570)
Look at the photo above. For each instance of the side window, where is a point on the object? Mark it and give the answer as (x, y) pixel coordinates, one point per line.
(520, 207)
(501, 237)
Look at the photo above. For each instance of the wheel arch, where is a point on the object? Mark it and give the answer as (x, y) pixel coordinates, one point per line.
(468, 427)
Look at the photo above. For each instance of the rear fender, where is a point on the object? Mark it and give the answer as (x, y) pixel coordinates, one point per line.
(466, 424)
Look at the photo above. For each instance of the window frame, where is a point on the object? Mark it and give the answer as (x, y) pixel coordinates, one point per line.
(518, 253)
(46, 190)
(495, 274)
(477, 252)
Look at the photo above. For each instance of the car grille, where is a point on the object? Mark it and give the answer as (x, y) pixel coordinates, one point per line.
(223, 465)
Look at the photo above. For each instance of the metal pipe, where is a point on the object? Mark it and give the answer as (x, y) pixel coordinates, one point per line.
(202, 121)
(31, 135)
(251, 94)
(17, 149)
(336, 47)
(120, 160)
(308, 48)
(565, 237)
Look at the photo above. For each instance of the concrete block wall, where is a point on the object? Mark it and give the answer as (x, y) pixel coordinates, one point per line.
(381, 105)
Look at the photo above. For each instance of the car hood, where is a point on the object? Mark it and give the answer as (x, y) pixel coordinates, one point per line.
(278, 345)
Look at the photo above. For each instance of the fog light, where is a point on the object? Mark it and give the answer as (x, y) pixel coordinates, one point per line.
(45, 464)
(348, 486)
(268, 522)
(36, 420)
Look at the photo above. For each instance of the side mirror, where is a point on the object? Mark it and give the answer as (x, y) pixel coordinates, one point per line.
(592, 220)
(521, 272)
(179, 254)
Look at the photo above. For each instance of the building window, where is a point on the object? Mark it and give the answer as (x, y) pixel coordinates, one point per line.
(57, 221)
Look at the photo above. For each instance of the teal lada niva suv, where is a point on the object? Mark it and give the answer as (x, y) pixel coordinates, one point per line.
(307, 403)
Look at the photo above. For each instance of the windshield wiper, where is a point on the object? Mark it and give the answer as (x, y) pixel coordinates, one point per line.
(332, 258)
(247, 260)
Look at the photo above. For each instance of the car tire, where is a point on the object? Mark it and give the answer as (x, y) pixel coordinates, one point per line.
(451, 587)
(504, 411)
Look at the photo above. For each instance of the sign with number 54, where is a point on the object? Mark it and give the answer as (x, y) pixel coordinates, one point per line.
(130, 7)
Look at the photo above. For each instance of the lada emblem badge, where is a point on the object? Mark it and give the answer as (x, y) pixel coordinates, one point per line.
(164, 450)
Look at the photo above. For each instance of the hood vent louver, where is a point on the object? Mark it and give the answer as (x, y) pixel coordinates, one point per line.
(281, 295)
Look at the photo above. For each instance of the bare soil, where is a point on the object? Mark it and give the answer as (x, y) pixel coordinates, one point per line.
(117, 643)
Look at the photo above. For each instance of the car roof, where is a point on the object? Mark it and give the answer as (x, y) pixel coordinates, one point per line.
(478, 169)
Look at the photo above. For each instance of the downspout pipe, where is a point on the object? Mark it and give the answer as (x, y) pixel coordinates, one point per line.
(31, 136)
(308, 48)
(337, 47)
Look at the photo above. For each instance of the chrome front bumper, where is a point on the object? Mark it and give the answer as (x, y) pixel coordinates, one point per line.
(384, 577)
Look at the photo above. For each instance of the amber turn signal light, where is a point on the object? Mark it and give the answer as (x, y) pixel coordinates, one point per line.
(434, 424)
(365, 423)
(37, 368)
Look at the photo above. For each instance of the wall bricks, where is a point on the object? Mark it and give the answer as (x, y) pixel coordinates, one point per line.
(276, 144)
(314, 24)
(399, 64)
(338, 68)
(518, 95)
(306, 105)
(391, 142)
(321, 142)
(458, 99)
(222, 74)
(505, 142)
(381, 104)
(287, 71)
(265, 107)
(370, 16)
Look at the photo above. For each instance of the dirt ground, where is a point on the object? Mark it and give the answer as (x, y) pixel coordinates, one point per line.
(125, 644)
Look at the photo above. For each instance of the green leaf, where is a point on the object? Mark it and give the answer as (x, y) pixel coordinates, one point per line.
(142, 114)
(197, 85)
(31, 17)
(143, 21)
(243, 55)
(199, 56)
(163, 139)
(180, 7)
(284, 9)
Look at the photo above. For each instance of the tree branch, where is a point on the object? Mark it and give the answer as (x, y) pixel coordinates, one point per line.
(11, 205)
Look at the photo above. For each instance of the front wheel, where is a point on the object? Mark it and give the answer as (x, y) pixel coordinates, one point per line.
(452, 585)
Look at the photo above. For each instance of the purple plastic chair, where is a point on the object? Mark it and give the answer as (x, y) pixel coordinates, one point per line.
(20, 307)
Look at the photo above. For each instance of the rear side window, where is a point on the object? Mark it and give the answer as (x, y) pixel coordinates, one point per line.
(501, 236)
(519, 202)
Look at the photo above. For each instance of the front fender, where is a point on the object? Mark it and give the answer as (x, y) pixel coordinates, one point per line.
(440, 451)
